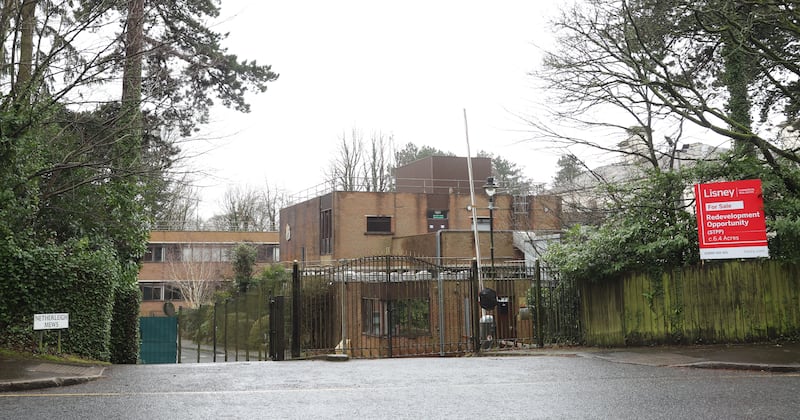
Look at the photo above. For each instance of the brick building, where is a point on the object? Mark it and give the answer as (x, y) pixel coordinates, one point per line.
(184, 267)
(427, 216)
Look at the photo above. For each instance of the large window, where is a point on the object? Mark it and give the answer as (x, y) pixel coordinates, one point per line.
(172, 293)
(151, 292)
(267, 253)
(410, 317)
(159, 291)
(205, 252)
(372, 315)
(326, 232)
(154, 253)
(379, 224)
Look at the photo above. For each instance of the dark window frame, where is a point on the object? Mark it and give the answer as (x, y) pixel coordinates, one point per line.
(266, 252)
(154, 253)
(326, 232)
(147, 292)
(379, 225)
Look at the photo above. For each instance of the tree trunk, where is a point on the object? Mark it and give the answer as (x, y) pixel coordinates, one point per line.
(27, 25)
(132, 73)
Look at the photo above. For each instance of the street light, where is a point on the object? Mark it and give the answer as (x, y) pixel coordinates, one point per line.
(491, 190)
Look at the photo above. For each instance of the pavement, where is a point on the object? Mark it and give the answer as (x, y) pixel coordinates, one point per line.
(18, 375)
(759, 357)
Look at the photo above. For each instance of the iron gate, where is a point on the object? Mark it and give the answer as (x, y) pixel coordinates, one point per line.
(385, 306)
(394, 306)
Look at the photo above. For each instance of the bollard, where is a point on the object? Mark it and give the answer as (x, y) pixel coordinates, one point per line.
(487, 330)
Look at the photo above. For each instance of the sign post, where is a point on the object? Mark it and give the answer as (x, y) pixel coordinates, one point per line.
(730, 220)
(42, 322)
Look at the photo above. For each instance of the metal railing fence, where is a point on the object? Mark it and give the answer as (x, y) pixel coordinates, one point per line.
(384, 306)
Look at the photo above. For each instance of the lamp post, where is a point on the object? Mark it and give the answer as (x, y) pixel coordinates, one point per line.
(491, 188)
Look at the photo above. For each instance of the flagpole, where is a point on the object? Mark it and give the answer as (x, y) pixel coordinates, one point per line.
(472, 205)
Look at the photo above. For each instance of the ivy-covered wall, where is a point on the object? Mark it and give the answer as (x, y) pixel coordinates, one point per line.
(719, 302)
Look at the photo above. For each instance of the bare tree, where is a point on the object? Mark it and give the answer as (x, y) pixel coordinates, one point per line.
(378, 162)
(364, 165)
(345, 166)
(272, 200)
(658, 65)
(242, 210)
(179, 205)
(196, 278)
(597, 101)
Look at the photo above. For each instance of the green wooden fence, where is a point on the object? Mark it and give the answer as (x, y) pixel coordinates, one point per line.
(721, 302)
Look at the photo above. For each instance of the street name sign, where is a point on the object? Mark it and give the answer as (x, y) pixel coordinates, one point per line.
(730, 220)
(50, 321)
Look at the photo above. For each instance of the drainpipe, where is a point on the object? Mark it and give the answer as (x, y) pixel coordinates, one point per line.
(439, 247)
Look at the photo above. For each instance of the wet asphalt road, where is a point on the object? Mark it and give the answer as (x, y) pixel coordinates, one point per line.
(470, 387)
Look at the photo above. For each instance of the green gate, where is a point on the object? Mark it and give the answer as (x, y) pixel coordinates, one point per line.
(159, 342)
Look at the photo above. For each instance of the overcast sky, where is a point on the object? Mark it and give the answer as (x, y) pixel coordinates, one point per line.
(408, 69)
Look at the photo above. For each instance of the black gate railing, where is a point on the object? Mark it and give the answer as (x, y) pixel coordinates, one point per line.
(235, 327)
(385, 306)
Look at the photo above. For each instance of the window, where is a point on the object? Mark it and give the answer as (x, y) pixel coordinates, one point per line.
(325, 232)
(173, 293)
(162, 253)
(173, 252)
(159, 291)
(483, 224)
(267, 253)
(206, 252)
(150, 292)
(154, 253)
(379, 224)
(410, 317)
(372, 313)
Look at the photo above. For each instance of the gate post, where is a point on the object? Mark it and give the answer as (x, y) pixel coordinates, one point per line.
(476, 340)
(389, 304)
(225, 327)
(295, 310)
(537, 274)
(440, 292)
(277, 336)
(180, 325)
(199, 314)
(236, 328)
(214, 332)
(247, 334)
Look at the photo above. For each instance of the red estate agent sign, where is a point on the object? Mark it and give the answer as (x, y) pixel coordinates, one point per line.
(730, 220)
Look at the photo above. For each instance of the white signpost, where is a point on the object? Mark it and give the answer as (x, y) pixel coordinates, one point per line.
(50, 321)
(43, 322)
